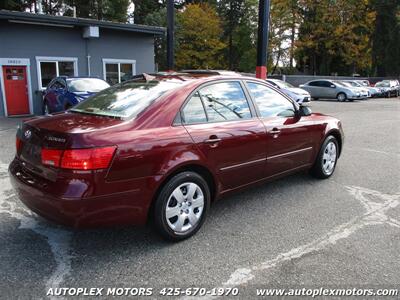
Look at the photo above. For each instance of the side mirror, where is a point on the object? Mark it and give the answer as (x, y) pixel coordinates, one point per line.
(304, 111)
(333, 86)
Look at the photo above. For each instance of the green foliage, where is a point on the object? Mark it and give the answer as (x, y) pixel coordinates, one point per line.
(321, 37)
(199, 38)
(386, 38)
(17, 5)
(239, 22)
(334, 36)
(144, 8)
(159, 18)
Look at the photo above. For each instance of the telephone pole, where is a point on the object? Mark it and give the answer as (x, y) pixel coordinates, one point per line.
(262, 41)
(170, 35)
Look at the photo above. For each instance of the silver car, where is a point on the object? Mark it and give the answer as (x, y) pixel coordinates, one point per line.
(365, 93)
(297, 94)
(374, 92)
(331, 89)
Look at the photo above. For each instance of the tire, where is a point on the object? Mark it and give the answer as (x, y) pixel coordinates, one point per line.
(341, 97)
(184, 208)
(46, 108)
(326, 161)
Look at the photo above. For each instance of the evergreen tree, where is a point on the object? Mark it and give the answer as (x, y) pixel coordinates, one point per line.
(386, 38)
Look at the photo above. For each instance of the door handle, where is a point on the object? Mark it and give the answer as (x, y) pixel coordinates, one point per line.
(275, 131)
(212, 140)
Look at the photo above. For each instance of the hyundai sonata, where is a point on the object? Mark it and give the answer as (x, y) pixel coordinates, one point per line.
(164, 148)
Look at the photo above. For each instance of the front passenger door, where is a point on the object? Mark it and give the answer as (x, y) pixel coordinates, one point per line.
(290, 138)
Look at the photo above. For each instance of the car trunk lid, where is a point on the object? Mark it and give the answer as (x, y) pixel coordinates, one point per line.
(60, 132)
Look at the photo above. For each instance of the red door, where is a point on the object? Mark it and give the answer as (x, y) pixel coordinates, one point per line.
(16, 90)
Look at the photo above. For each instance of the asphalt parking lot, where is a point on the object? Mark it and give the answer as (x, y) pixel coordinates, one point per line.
(295, 232)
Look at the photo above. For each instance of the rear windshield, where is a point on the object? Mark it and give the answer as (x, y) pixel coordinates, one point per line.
(86, 85)
(126, 100)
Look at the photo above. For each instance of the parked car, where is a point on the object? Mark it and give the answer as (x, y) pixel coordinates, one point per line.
(329, 89)
(374, 92)
(397, 83)
(164, 148)
(363, 82)
(64, 92)
(297, 94)
(209, 72)
(388, 88)
(363, 91)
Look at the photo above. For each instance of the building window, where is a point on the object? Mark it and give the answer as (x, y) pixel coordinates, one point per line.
(51, 67)
(117, 71)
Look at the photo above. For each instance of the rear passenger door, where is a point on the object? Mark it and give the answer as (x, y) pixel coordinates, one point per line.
(223, 124)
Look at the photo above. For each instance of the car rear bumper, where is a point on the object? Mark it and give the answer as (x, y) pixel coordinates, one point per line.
(81, 208)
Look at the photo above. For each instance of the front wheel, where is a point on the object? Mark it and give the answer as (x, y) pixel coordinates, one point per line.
(326, 161)
(181, 207)
(341, 97)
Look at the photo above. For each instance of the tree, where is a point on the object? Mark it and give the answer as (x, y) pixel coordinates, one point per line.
(334, 36)
(199, 38)
(386, 38)
(143, 8)
(17, 5)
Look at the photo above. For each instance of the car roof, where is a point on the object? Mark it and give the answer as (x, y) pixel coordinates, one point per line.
(189, 77)
(211, 72)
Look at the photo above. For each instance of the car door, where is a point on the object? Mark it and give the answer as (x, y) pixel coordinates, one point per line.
(290, 138)
(223, 125)
(329, 88)
(313, 88)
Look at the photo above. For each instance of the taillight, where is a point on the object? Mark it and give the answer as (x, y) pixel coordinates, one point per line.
(51, 157)
(18, 144)
(87, 159)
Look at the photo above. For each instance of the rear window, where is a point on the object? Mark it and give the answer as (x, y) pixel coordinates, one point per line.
(126, 100)
(86, 85)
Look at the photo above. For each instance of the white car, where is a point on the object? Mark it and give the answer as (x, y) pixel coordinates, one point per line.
(297, 94)
(375, 92)
(365, 93)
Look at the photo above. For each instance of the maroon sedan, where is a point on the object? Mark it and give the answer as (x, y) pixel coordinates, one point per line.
(164, 148)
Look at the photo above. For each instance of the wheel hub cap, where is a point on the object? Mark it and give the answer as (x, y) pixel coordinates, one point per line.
(329, 158)
(184, 207)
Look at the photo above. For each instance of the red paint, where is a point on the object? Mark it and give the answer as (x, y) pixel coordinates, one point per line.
(261, 72)
(148, 150)
(16, 90)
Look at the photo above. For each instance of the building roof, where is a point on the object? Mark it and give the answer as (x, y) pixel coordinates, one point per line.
(41, 19)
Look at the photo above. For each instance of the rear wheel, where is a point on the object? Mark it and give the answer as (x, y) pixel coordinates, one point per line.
(326, 161)
(181, 207)
(341, 97)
